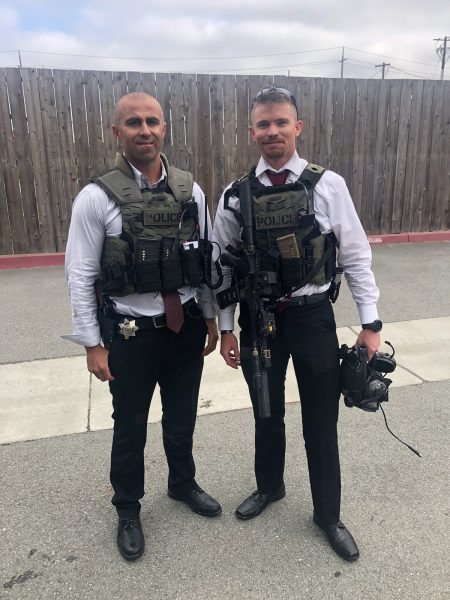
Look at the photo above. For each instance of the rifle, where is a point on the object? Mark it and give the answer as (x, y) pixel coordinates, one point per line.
(251, 281)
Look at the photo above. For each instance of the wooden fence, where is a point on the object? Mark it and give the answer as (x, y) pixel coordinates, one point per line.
(390, 140)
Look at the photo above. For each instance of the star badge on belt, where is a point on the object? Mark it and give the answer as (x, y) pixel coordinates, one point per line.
(128, 328)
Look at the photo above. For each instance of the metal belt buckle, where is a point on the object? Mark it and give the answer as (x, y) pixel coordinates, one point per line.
(155, 323)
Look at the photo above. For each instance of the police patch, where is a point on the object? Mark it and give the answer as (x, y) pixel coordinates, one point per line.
(160, 217)
(276, 219)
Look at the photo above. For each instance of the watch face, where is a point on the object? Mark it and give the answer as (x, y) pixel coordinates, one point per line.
(375, 326)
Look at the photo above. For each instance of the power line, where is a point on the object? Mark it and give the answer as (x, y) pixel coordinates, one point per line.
(387, 56)
(178, 57)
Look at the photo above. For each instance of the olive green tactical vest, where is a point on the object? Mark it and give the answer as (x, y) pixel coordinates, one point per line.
(289, 209)
(150, 217)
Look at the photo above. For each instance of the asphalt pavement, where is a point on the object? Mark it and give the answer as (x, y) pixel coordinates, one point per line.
(57, 527)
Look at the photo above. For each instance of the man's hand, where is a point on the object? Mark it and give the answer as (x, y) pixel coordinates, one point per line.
(97, 362)
(229, 349)
(213, 336)
(369, 339)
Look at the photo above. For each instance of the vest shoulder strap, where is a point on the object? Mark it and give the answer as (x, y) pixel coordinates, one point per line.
(119, 183)
(120, 187)
(181, 183)
(311, 175)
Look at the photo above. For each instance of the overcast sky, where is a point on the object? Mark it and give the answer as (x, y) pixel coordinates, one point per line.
(233, 36)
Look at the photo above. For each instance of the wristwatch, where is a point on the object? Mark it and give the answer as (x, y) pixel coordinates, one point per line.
(374, 326)
(226, 331)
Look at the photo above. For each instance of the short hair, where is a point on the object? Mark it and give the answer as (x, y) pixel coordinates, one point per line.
(274, 94)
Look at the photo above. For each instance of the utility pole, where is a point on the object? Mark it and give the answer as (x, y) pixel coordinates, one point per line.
(20, 59)
(383, 66)
(442, 52)
(342, 63)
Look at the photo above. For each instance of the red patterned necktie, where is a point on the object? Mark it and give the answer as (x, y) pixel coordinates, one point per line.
(278, 178)
(174, 311)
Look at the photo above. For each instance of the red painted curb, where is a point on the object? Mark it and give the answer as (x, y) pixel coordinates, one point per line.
(30, 261)
(56, 259)
(413, 237)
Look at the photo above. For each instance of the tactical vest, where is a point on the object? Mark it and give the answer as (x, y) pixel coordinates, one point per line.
(290, 247)
(158, 248)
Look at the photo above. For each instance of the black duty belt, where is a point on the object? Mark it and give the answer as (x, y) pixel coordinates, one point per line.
(302, 300)
(128, 325)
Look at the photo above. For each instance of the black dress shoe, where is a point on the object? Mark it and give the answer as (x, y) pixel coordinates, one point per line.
(130, 538)
(257, 502)
(340, 538)
(198, 501)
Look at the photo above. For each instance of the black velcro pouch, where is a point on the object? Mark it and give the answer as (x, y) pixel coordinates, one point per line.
(148, 277)
(171, 268)
(192, 268)
(291, 272)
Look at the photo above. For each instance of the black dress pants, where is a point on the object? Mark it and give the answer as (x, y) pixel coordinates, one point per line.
(175, 362)
(307, 334)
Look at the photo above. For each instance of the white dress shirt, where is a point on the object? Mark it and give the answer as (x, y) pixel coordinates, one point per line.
(335, 213)
(95, 216)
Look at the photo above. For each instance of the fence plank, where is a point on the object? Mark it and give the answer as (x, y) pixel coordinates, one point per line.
(6, 246)
(16, 223)
(120, 85)
(134, 83)
(402, 150)
(423, 162)
(370, 133)
(204, 140)
(443, 189)
(217, 128)
(60, 211)
(412, 165)
(177, 114)
(229, 129)
(148, 83)
(76, 87)
(386, 225)
(106, 92)
(380, 157)
(23, 157)
(163, 92)
(191, 123)
(41, 168)
(348, 134)
(242, 123)
(62, 97)
(97, 159)
(359, 143)
(337, 125)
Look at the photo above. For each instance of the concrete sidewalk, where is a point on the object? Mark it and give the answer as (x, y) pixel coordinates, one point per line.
(44, 398)
(57, 527)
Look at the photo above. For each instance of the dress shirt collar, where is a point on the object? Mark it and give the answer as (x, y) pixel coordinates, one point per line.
(143, 181)
(294, 165)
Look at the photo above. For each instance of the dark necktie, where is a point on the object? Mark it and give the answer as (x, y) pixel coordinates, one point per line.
(277, 178)
(174, 311)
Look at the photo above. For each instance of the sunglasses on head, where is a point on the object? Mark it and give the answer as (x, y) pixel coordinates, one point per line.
(265, 94)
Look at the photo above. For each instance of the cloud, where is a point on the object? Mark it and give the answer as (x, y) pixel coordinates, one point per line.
(167, 32)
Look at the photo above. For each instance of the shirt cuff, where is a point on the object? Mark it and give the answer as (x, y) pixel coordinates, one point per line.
(367, 313)
(82, 340)
(226, 319)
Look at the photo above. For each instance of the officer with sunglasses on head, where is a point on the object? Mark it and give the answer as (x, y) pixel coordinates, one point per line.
(302, 215)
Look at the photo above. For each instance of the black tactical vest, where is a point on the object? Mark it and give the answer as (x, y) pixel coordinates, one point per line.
(158, 248)
(290, 247)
